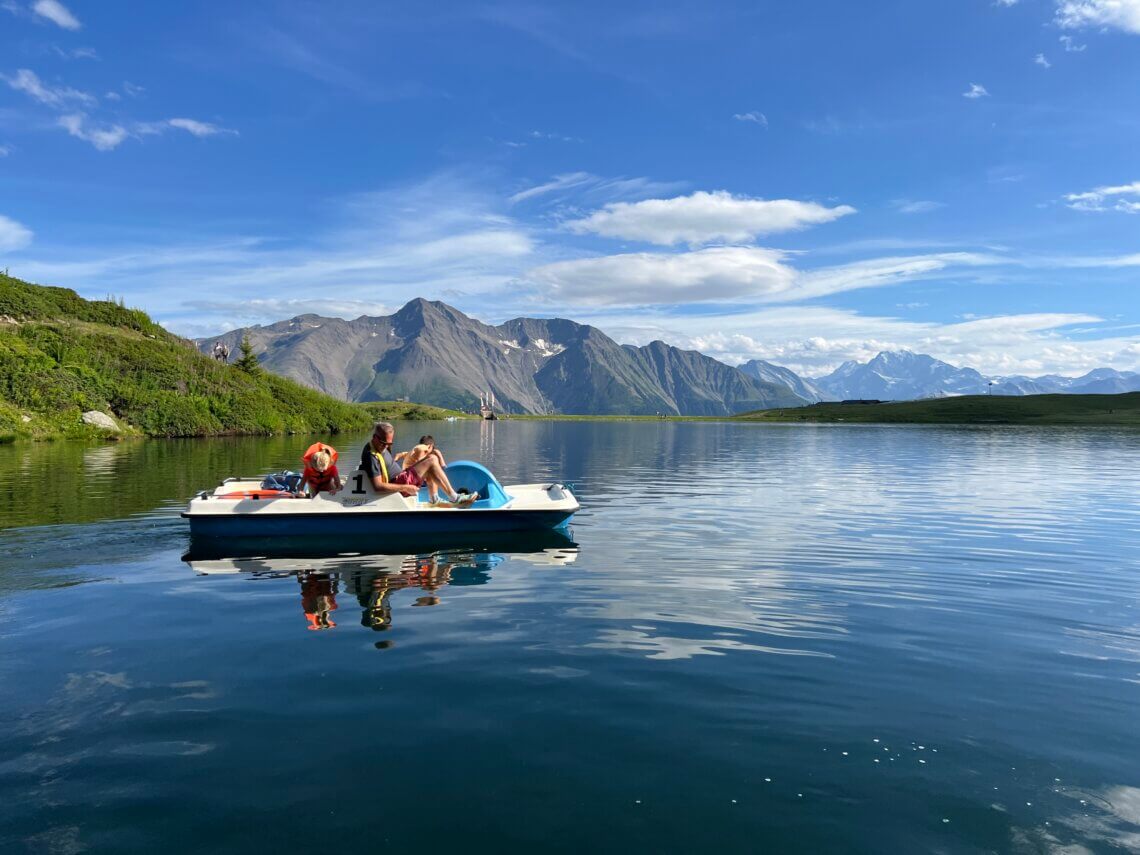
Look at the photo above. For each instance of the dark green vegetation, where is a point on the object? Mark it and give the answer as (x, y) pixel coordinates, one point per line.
(61, 355)
(974, 409)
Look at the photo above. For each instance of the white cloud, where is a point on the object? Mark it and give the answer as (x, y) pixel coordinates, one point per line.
(719, 274)
(132, 89)
(1124, 198)
(704, 217)
(13, 235)
(916, 206)
(198, 129)
(27, 81)
(57, 13)
(752, 116)
(1042, 61)
(5, 151)
(103, 138)
(1118, 14)
(1070, 46)
(976, 90)
(1006, 3)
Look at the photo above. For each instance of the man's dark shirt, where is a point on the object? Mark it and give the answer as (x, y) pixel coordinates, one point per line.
(371, 466)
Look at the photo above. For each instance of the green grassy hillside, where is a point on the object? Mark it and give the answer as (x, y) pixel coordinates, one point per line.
(974, 409)
(61, 355)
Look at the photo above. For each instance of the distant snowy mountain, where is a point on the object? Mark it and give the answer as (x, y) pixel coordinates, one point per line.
(780, 376)
(902, 375)
(1099, 381)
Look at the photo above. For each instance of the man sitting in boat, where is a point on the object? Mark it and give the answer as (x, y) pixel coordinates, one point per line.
(388, 476)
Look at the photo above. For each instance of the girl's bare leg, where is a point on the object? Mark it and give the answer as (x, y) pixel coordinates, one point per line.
(429, 469)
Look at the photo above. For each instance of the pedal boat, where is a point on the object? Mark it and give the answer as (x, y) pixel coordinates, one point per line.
(238, 507)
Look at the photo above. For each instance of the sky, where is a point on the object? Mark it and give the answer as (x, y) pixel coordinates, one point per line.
(804, 182)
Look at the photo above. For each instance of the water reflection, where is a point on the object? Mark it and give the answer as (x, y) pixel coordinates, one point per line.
(372, 579)
(876, 639)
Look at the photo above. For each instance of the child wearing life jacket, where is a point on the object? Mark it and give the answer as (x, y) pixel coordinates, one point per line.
(320, 473)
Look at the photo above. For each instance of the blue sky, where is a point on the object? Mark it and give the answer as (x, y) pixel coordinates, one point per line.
(800, 182)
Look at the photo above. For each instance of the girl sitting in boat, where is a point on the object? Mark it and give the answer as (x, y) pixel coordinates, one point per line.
(320, 474)
(422, 451)
(426, 447)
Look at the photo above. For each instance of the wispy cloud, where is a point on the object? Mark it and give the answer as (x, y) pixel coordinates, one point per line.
(27, 81)
(5, 150)
(1042, 61)
(13, 235)
(976, 90)
(704, 217)
(556, 184)
(1070, 46)
(916, 206)
(1123, 198)
(752, 116)
(103, 137)
(440, 235)
(199, 129)
(75, 53)
(1006, 3)
(586, 188)
(546, 135)
(1115, 14)
(191, 126)
(723, 274)
(57, 13)
(75, 107)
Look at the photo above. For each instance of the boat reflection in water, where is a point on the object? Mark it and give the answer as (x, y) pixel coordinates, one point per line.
(371, 577)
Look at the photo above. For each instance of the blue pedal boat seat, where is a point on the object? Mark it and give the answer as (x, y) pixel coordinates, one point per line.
(472, 477)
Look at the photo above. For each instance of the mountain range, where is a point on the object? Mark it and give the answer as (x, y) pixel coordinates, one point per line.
(434, 354)
(903, 376)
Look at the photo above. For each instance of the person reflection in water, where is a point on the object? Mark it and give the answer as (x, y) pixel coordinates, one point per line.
(373, 592)
(318, 599)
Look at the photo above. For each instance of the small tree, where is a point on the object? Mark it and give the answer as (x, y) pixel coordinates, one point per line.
(247, 362)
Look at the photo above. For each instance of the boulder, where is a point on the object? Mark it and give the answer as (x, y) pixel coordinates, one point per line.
(99, 420)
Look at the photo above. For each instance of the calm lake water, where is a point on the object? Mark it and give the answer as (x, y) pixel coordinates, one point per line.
(765, 638)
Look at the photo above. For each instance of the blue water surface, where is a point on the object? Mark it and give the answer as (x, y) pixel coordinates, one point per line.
(758, 638)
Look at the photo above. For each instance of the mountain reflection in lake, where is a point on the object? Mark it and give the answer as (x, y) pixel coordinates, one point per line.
(760, 638)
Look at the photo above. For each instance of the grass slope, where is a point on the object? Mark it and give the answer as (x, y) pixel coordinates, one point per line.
(974, 409)
(61, 355)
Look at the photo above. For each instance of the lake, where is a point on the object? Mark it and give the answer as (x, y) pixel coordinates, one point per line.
(761, 638)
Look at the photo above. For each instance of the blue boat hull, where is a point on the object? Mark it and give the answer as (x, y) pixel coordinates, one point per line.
(380, 524)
